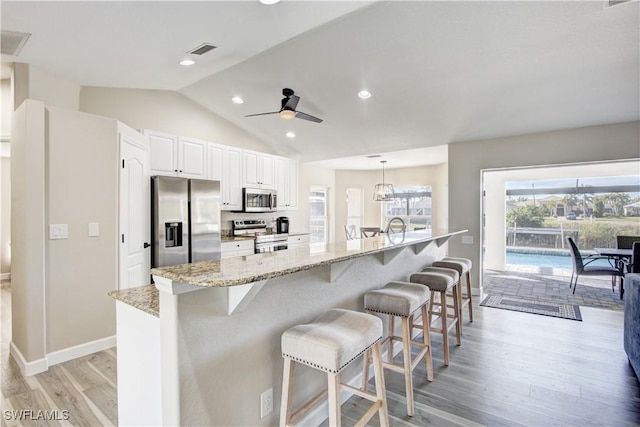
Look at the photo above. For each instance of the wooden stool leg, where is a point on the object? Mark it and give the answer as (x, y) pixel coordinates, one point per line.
(457, 312)
(287, 388)
(469, 296)
(426, 339)
(380, 387)
(334, 399)
(406, 354)
(366, 360)
(391, 332)
(445, 332)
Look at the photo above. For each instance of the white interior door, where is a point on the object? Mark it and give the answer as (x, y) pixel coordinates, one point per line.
(354, 208)
(135, 253)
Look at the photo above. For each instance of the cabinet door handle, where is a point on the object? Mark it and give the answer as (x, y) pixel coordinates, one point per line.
(146, 245)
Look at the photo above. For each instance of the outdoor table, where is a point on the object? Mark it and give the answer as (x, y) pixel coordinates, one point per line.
(369, 231)
(618, 255)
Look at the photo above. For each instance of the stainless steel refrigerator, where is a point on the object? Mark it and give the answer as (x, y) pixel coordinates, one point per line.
(185, 220)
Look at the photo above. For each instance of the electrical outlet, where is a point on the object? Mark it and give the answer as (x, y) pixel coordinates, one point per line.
(266, 403)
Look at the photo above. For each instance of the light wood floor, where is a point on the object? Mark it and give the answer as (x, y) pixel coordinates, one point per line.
(522, 369)
(511, 369)
(80, 392)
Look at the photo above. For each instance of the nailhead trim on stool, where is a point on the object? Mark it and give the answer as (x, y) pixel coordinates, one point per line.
(330, 343)
(463, 267)
(404, 300)
(441, 280)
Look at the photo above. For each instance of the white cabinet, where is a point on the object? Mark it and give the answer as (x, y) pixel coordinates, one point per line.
(224, 164)
(258, 169)
(287, 183)
(297, 241)
(176, 156)
(238, 248)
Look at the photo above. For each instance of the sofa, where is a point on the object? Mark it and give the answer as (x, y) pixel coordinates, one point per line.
(632, 320)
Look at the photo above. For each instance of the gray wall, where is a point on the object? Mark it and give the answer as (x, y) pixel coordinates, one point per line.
(468, 159)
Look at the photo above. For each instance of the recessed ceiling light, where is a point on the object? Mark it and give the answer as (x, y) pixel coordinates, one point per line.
(237, 100)
(268, 2)
(364, 94)
(187, 62)
(290, 134)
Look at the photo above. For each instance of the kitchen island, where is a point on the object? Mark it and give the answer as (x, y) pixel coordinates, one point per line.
(216, 343)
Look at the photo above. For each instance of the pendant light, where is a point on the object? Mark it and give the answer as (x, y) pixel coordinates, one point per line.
(383, 192)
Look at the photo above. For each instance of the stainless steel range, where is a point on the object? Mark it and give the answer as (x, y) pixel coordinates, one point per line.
(265, 242)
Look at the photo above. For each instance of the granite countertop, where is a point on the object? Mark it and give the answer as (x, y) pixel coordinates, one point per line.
(253, 268)
(144, 298)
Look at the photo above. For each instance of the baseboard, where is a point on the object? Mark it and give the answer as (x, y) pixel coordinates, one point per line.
(80, 350)
(5, 276)
(27, 368)
(41, 365)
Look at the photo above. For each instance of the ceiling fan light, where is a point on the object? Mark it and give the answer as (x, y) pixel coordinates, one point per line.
(287, 114)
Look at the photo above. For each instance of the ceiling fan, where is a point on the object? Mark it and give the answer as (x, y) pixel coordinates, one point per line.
(288, 108)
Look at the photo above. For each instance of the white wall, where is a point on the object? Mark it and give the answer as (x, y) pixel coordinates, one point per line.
(31, 82)
(166, 111)
(6, 103)
(435, 176)
(468, 159)
(82, 187)
(28, 213)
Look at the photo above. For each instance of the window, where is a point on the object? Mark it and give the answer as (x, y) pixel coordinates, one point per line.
(412, 204)
(319, 220)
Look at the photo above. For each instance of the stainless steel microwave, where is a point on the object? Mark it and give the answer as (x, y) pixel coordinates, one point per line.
(259, 200)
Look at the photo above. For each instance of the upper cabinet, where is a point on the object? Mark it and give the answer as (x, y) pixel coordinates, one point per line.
(259, 170)
(177, 156)
(224, 164)
(287, 183)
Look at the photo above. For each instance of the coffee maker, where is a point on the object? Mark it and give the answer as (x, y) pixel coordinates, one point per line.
(282, 225)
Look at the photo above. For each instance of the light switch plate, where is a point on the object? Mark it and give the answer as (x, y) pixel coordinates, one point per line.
(467, 240)
(94, 229)
(58, 231)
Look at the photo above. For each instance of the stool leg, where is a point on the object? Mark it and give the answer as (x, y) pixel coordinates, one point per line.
(380, 388)
(406, 354)
(366, 360)
(287, 387)
(457, 312)
(334, 399)
(426, 339)
(445, 332)
(391, 332)
(469, 296)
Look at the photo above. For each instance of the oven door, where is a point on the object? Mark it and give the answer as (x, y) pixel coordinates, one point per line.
(271, 246)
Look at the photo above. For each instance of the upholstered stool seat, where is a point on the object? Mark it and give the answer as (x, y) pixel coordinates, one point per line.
(441, 280)
(330, 343)
(403, 300)
(463, 267)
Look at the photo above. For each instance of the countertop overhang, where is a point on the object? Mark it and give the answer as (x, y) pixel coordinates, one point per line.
(260, 267)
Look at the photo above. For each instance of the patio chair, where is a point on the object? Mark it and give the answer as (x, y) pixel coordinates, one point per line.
(633, 265)
(350, 231)
(582, 268)
(626, 242)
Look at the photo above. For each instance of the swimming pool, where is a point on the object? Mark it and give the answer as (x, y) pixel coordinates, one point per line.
(546, 260)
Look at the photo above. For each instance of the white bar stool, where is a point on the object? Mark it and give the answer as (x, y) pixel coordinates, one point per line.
(403, 300)
(330, 343)
(441, 280)
(463, 267)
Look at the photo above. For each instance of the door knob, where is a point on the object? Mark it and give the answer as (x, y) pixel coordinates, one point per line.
(146, 244)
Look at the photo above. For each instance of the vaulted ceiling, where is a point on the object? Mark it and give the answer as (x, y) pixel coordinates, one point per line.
(439, 72)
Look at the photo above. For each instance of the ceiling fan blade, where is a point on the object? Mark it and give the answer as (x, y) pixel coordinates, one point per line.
(262, 114)
(305, 116)
(291, 103)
